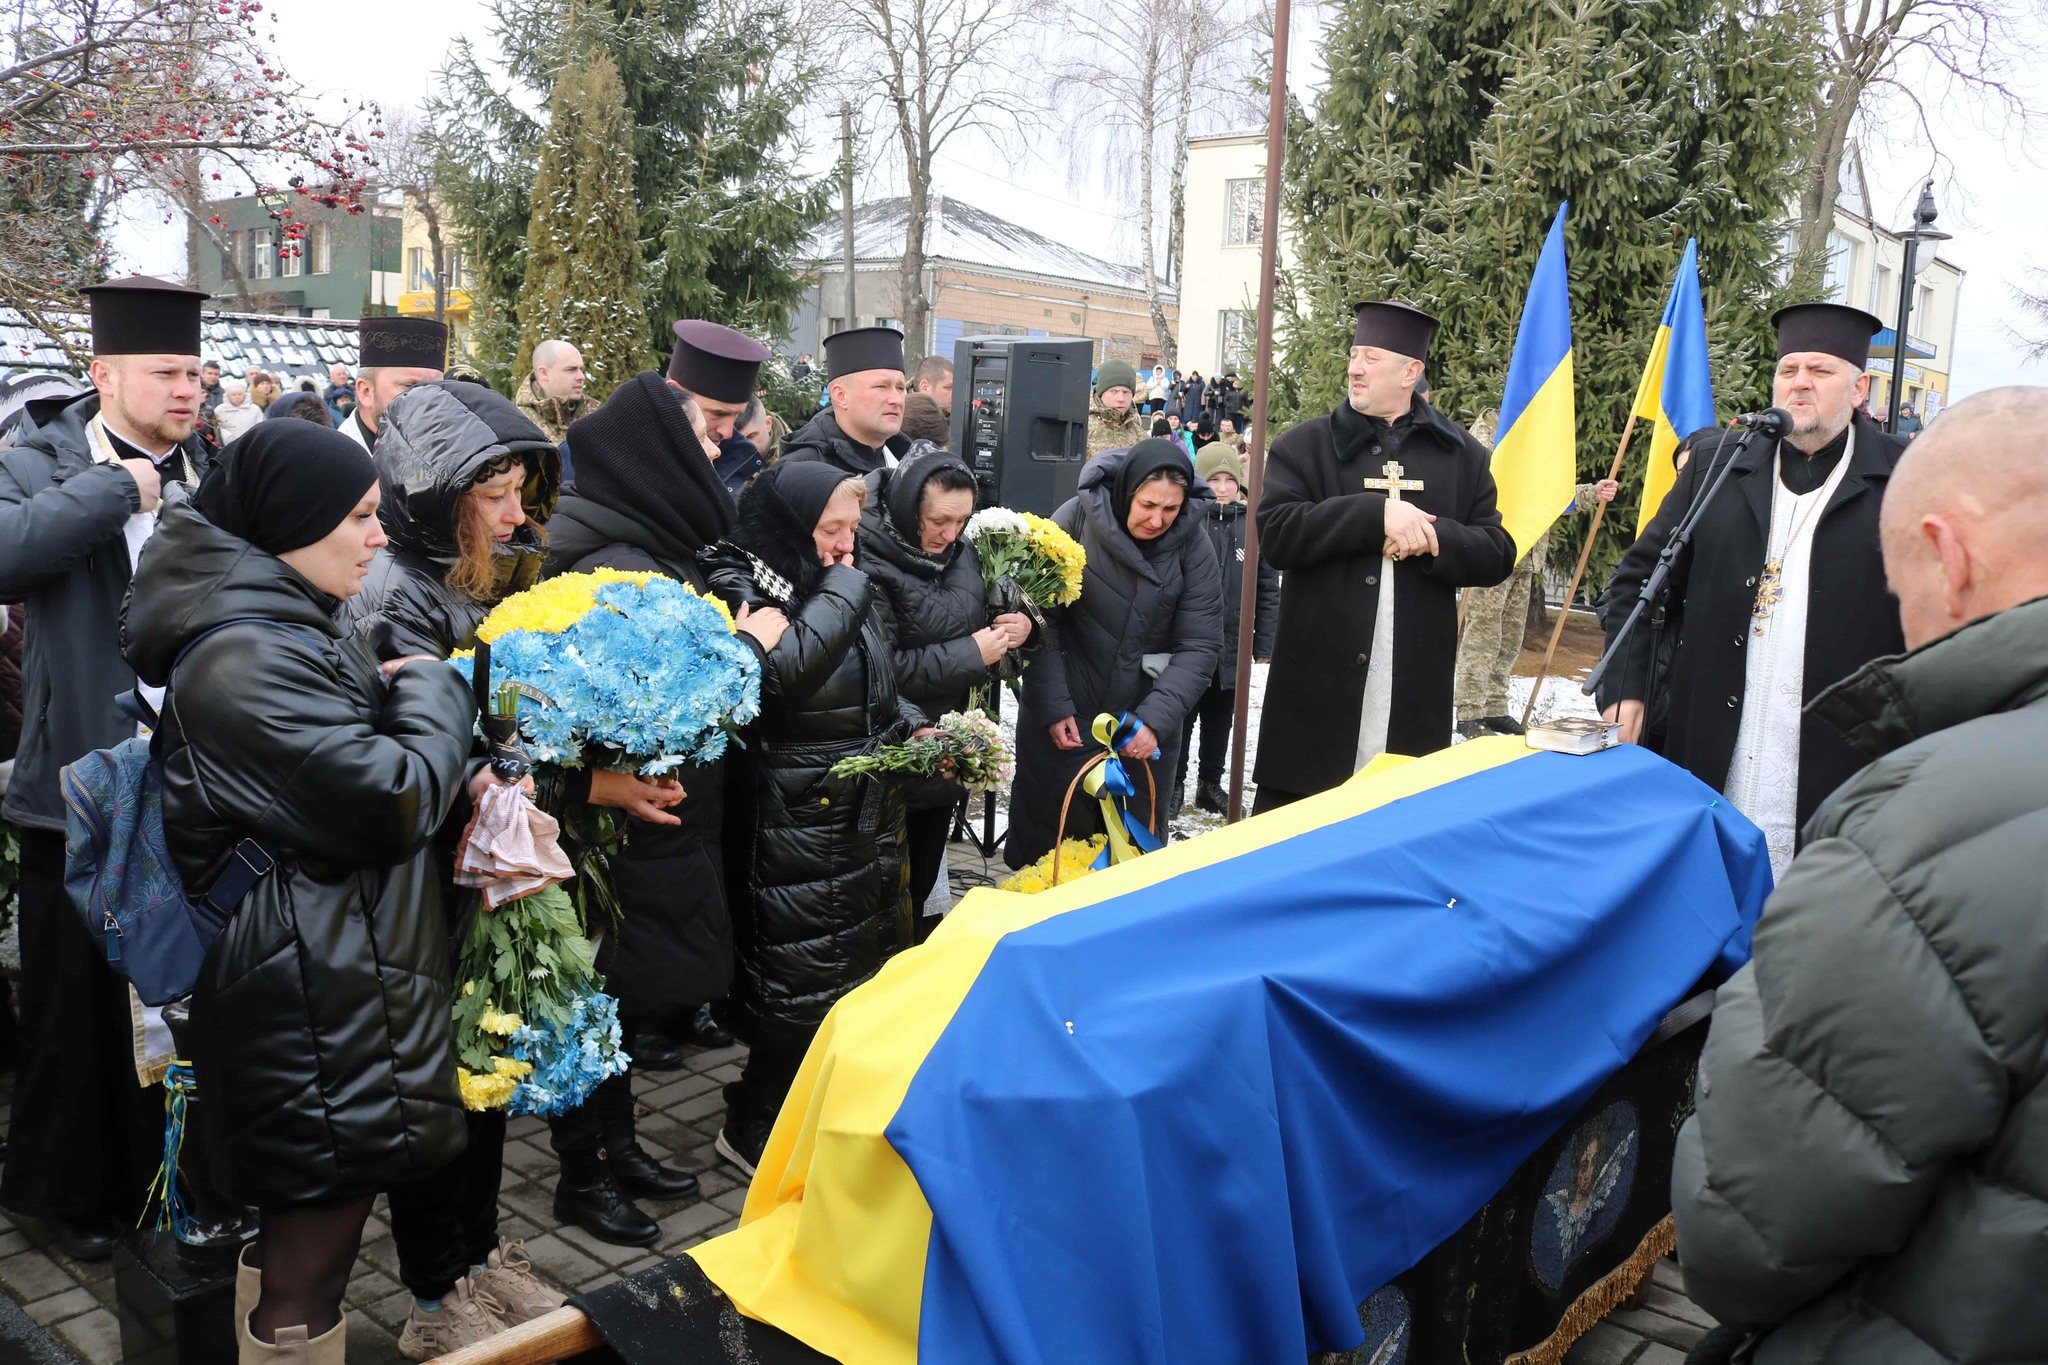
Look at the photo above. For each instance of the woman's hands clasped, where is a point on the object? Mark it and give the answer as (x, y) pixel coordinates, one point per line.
(1007, 632)
(642, 798)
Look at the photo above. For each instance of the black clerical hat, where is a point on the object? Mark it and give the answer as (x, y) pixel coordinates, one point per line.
(1830, 328)
(1394, 327)
(863, 348)
(715, 362)
(143, 316)
(403, 343)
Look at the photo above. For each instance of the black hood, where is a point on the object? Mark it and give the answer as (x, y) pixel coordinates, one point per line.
(1101, 477)
(892, 524)
(194, 575)
(772, 530)
(433, 441)
(637, 455)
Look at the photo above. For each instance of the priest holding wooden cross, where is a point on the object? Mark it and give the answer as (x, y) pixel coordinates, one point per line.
(1385, 492)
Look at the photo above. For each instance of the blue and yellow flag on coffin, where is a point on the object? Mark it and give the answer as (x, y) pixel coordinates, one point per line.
(1677, 392)
(1535, 455)
(1202, 1104)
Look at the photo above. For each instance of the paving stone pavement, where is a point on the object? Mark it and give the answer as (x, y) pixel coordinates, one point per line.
(679, 1113)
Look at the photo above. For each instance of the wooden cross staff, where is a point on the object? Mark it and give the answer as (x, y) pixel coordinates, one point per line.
(1393, 483)
(1571, 594)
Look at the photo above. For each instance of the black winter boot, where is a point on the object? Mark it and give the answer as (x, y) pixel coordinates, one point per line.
(1210, 796)
(586, 1197)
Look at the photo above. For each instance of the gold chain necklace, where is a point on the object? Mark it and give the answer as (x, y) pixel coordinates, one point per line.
(1770, 585)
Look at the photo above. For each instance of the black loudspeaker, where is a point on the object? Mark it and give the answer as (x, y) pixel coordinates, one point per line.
(1020, 417)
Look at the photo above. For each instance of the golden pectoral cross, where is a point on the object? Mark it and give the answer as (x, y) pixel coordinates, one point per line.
(1770, 590)
(1393, 483)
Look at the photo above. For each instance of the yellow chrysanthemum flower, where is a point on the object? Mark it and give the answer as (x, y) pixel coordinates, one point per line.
(1075, 855)
(480, 1093)
(499, 1022)
(552, 607)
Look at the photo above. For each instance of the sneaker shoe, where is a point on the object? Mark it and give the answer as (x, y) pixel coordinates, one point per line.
(741, 1148)
(464, 1318)
(518, 1293)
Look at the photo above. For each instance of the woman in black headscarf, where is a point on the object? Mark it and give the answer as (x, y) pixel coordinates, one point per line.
(319, 1027)
(647, 499)
(1142, 639)
(815, 870)
(928, 585)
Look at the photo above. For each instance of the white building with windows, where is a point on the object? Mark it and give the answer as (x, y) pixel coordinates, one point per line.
(1224, 208)
(1224, 205)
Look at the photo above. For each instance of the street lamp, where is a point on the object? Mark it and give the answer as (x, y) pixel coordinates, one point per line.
(1921, 231)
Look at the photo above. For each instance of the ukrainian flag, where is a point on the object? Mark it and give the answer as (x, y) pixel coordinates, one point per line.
(1677, 392)
(1202, 1104)
(1535, 457)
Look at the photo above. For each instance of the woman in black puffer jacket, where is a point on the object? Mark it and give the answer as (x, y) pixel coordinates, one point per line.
(1143, 638)
(816, 878)
(468, 482)
(319, 1026)
(929, 589)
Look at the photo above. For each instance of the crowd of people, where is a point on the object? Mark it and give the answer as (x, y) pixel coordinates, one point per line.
(305, 579)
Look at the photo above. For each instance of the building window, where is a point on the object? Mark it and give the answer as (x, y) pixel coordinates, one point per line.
(291, 262)
(1923, 304)
(415, 268)
(262, 253)
(1841, 266)
(1237, 334)
(1884, 291)
(319, 249)
(454, 268)
(1247, 210)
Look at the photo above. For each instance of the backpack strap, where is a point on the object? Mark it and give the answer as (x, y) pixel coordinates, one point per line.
(250, 860)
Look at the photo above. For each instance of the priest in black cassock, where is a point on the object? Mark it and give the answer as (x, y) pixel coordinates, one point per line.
(1385, 491)
(79, 493)
(1781, 592)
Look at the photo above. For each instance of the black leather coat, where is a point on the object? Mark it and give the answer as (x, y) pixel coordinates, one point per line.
(818, 884)
(320, 1022)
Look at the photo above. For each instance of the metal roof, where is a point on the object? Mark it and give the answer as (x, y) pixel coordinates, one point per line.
(957, 233)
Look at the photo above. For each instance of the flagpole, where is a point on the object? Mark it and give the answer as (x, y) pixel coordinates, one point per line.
(1262, 389)
(1585, 556)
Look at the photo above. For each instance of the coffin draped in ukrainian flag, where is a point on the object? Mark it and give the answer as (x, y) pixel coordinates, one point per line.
(1200, 1105)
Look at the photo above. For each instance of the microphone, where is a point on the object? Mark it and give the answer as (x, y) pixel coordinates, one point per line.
(1775, 423)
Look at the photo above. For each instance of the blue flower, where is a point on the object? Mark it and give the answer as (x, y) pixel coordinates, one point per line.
(570, 1059)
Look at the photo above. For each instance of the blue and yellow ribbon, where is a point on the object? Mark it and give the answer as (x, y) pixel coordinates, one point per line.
(1109, 782)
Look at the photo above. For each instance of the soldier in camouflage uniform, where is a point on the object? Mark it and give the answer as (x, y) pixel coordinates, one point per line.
(1491, 635)
(1114, 421)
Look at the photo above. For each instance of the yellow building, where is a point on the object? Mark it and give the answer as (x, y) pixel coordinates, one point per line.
(416, 260)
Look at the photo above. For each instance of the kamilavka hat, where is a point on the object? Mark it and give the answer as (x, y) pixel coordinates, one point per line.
(1831, 328)
(403, 343)
(715, 362)
(144, 316)
(862, 349)
(1394, 327)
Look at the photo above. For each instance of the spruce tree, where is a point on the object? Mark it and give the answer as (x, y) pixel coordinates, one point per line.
(1450, 131)
(711, 91)
(583, 266)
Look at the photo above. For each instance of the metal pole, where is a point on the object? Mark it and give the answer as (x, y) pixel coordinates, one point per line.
(1891, 416)
(1262, 389)
(1571, 593)
(846, 207)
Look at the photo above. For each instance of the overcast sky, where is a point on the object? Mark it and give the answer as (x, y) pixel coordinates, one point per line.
(1996, 205)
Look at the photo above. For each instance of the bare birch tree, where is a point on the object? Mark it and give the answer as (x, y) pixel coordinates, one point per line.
(930, 71)
(1133, 80)
(410, 162)
(1976, 46)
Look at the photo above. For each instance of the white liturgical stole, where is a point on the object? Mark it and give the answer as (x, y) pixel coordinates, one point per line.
(1378, 707)
(1763, 776)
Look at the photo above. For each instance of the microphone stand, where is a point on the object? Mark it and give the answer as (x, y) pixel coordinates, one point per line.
(1652, 591)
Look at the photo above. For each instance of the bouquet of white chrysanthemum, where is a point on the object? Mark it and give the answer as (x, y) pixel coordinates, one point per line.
(965, 746)
(1033, 553)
